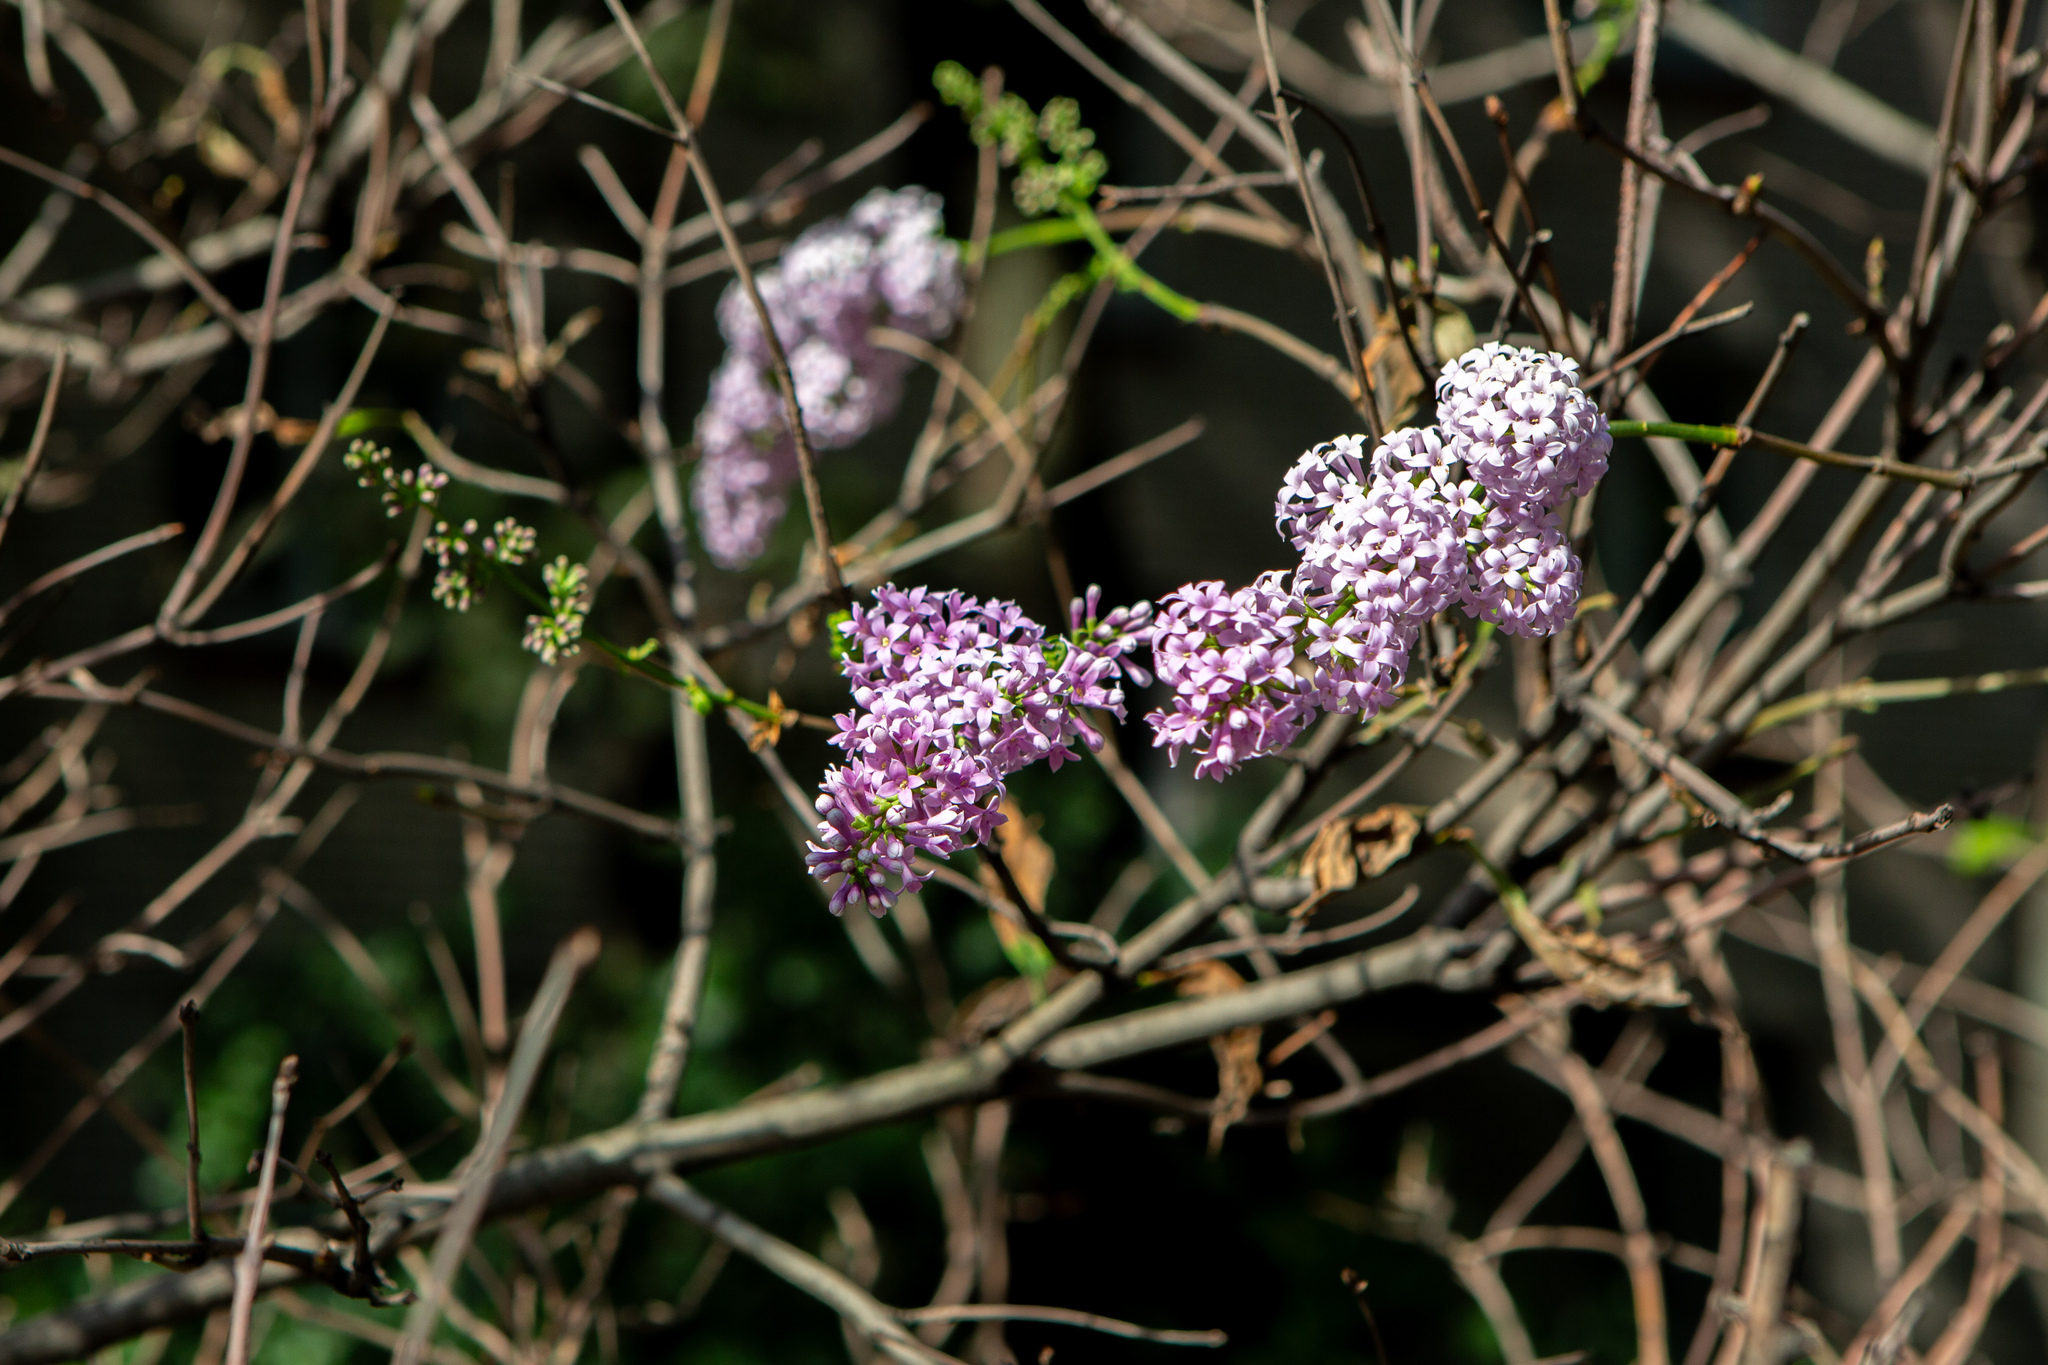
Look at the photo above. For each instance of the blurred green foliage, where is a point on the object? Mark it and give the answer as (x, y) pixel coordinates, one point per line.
(1991, 844)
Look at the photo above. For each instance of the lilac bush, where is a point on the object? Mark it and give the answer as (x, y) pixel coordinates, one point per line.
(1650, 789)
(954, 695)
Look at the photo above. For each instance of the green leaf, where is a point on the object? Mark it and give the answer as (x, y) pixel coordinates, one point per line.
(368, 419)
(1588, 897)
(1028, 955)
(835, 638)
(1610, 17)
(1452, 331)
(1979, 846)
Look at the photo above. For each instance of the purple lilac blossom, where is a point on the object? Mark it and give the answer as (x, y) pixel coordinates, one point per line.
(1229, 659)
(886, 262)
(1520, 423)
(953, 695)
(1525, 578)
(1465, 513)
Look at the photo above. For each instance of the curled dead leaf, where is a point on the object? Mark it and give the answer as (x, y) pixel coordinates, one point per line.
(1030, 863)
(1238, 1078)
(1383, 837)
(1399, 383)
(1605, 969)
(768, 733)
(1344, 852)
(1028, 857)
(1238, 1074)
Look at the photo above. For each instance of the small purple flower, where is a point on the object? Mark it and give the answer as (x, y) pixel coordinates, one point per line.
(1410, 451)
(1313, 487)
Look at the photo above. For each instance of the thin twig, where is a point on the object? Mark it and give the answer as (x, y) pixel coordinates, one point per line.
(457, 1229)
(188, 1023)
(792, 415)
(249, 1265)
(38, 444)
(1094, 1322)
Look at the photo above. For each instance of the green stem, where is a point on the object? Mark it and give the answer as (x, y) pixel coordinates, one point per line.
(1045, 232)
(1735, 437)
(1079, 223)
(1866, 695)
(1682, 431)
(701, 697)
(1128, 275)
(359, 420)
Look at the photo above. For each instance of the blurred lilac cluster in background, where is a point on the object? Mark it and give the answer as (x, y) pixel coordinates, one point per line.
(884, 263)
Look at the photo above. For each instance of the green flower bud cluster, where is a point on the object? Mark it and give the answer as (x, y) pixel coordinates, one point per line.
(560, 632)
(401, 489)
(1054, 155)
(464, 556)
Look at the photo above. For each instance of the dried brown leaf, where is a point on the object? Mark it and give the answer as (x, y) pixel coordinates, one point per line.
(1395, 376)
(1607, 970)
(1238, 1078)
(1345, 852)
(767, 734)
(1028, 857)
(1383, 837)
(1212, 976)
(1238, 1074)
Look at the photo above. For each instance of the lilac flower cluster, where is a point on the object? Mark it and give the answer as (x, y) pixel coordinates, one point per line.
(1229, 658)
(559, 633)
(886, 262)
(1466, 512)
(1530, 440)
(953, 696)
